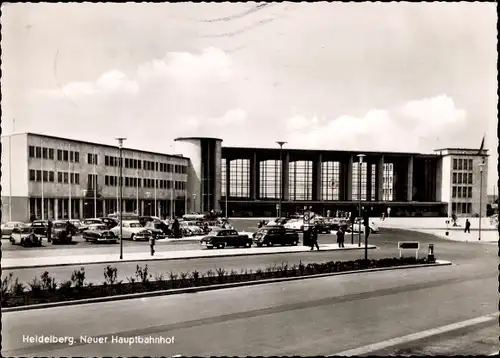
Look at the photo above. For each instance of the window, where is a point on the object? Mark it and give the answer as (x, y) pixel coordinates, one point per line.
(454, 192)
(223, 177)
(459, 178)
(31, 151)
(51, 154)
(470, 164)
(92, 181)
(89, 158)
(469, 192)
(460, 164)
(38, 152)
(388, 182)
(106, 161)
(156, 166)
(169, 168)
(77, 178)
(77, 157)
(59, 177)
(454, 178)
(51, 176)
(32, 175)
(455, 164)
(330, 180)
(65, 176)
(270, 179)
(59, 154)
(470, 178)
(300, 180)
(239, 178)
(72, 178)
(45, 153)
(65, 155)
(359, 184)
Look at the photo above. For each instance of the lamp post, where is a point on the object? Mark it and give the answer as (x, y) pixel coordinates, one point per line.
(194, 203)
(120, 146)
(281, 143)
(481, 167)
(360, 157)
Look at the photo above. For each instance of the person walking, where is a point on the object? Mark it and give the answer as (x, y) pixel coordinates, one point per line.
(49, 231)
(340, 236)
(314, 238)
(467, 226)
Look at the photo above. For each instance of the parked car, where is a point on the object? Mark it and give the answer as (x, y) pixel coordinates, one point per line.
(78, 226)
(40, 227)
(336, 223)
(60, 233)
(24, 236)
(133, 230)
(87, 222)
(193, 227)
(225, 237)
(322, 226)
(8, 227)
(275, 235)
(109, 222)
(277, 221)
(294, 224)
(99, 233)
(156, 229)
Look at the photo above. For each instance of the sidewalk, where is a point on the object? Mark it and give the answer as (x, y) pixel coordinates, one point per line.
(196, 238)
(32, 262)
(459, 235)
(432, 223)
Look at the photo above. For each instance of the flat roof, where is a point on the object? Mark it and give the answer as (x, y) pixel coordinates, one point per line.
(466, 149)
(198, 138)
(98, 144)
(328, 151)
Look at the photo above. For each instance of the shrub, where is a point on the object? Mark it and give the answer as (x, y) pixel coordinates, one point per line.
(17, 289)
(131, 279)
(48, 282)
(35, 287)
(195, 277)
(110, 275)
(220, 274)
(6, 283)
(65, 286)
(142, 275)
(159, 277)
(301, 268)
(173, 279)
(78, 278)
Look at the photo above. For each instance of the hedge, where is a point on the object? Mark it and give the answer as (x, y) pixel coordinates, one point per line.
(45, 289)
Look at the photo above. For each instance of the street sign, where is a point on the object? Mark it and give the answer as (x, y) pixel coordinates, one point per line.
(306, 217)
(409, 245)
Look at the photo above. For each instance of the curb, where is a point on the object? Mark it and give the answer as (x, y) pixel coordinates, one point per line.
(178, 291)
(149, 259)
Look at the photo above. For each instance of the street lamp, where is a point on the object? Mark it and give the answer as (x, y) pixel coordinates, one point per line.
(120, 146)
(360, 157)
(281, 143)
(481, 167)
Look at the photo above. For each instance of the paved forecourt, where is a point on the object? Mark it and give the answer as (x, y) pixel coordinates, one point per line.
(47, 261)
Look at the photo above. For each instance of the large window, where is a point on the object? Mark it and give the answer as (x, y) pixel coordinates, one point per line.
(357, 181)
(239, 178)
(373, 192)
(330, 180)
(223, 176)
(388, 184)
(270, 183)
(300, 180)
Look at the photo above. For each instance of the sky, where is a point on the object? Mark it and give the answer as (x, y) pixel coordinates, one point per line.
(410, 77)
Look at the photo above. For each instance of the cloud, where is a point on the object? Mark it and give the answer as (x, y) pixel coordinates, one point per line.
(415, 126)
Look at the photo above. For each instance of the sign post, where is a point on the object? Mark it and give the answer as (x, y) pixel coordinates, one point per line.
(409, 245)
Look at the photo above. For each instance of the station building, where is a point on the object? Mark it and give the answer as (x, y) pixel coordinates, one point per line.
(80, 179)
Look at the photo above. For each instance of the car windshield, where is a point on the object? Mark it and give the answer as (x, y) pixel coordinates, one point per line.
(98, 227)
(24, 229)
(59, 225)
(134, 225)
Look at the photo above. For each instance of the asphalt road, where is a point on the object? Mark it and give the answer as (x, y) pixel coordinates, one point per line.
(386, 241)
(310, 317)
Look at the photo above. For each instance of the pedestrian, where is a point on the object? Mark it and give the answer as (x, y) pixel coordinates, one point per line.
(49, 231)
(467, 226)
(454, 219)
(314, 238)
(340, 236)
(388, 212)
(382, 217)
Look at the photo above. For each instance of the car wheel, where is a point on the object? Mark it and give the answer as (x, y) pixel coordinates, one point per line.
(295, 243)
(132, 237)
(22, 242)
(221, 245)
(301, 228)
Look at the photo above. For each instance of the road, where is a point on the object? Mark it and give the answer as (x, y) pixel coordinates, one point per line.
(459, 253)
(310, 317)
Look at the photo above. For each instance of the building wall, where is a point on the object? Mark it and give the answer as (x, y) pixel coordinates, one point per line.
(446, 179)
(218, 175)
(191, 148)
(14, 165)
(20, 209)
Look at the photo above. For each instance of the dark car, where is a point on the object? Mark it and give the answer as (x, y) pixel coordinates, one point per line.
(275, 235)
(109, 222)
(225, 237)
(322, 226)
(40, 227)
(61, 233)
(155, 229)
(99, 233)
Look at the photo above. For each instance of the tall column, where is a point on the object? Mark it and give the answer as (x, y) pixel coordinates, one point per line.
(104, 207)
(368, 180)
(285, 176)
(380, 179)
(63, 207)
(56, 209)
(228, 178)
(317, 171)
(348, 178)
(253, 181)
(80, 208)
(409, 184)
(142, 208)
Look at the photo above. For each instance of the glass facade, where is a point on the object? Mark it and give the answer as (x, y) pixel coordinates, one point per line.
(373, 193)
(388, 184)
(223, 176)
(239, 178)
(356, 182)
(270, 172)
(300, 180)
(330, 180)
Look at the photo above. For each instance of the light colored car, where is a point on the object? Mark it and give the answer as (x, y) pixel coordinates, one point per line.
(8, 227)
(373, 227)
(193, 227)
(24, 236)
(294, 224)
(133, 230)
